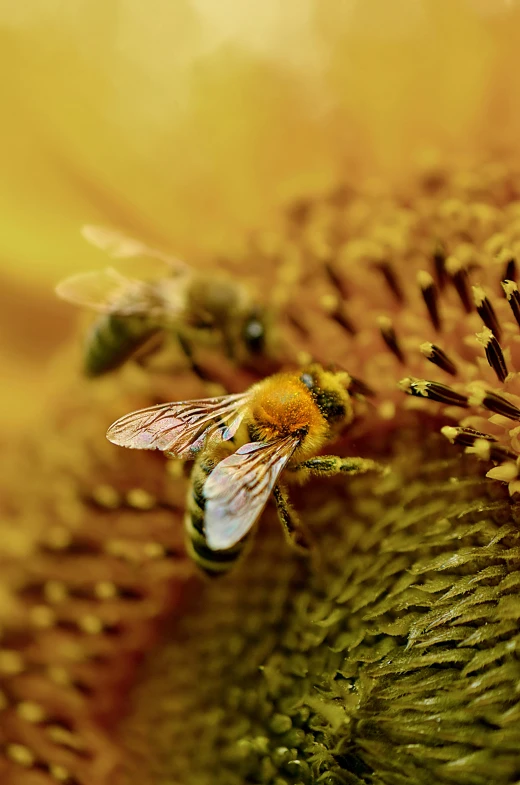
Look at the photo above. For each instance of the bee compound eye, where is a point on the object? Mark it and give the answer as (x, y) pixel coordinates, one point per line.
(308, 380)
(254, 335)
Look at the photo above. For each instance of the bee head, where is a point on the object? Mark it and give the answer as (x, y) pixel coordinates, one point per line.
(330, 390)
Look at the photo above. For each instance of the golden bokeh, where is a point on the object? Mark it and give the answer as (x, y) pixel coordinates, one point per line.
(188, 127)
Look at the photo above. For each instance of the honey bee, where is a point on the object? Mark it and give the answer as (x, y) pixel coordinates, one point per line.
(242, 444)
(135, 311)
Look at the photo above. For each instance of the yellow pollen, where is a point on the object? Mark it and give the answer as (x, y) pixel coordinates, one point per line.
(106, 496)
(43, 616)
(140, 499)
(21, 754)
(59, 773)
(329, 302)
(154, 550)
(59, 675)
(91, 624)
(105, 590)
(58, 537)
(66, 738)
(10, 662)
(30, 711)
(55, 591)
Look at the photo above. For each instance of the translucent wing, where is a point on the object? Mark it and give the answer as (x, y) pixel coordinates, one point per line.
(180, 428)
(118, 245)
(113, 241)
(108, 291)
(238, 488)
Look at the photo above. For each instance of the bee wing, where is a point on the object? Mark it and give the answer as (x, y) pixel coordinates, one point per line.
(108, 291)
(238, 488)
(119, 246)
(180, 428)
(113, 241)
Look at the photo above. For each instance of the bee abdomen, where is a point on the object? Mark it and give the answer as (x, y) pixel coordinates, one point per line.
(213, 563)
(113, 340)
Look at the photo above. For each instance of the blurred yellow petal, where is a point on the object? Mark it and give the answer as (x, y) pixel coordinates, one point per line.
(188, 125)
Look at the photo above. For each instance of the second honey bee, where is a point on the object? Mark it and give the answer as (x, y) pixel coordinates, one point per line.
(243, 445)
(136, 312)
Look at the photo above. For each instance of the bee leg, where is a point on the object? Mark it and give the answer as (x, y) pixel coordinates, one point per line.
(188, 353)
(142, 355)
(229, 345)
(292, 526)
(329, 465)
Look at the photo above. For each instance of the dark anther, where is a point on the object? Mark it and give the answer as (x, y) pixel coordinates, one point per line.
(439, 262)
(510, 271)
(501, 454)
(497, 404)
(486, 311)
(336, 279)
(343, 319)
(390, 338)
(513, 298)
(392, 280)
(464, 436)
(494, 354)
(430, 295)
(439, 358)
(459, 275)
(359, 387)
(434, 391)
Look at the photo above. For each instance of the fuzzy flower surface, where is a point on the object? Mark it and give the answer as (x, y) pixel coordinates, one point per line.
(390, 656)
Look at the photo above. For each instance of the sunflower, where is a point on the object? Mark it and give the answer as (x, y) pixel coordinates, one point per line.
(355, 165)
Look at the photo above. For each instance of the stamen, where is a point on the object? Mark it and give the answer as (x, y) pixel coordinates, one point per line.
(494, 354)
(510, 272)
(390, 338)
(494, 403)
(392, 280)
(490, 450)
(359, 387)
(500, 454)
(435, 391)
(459, 275)
(430, 296)
(439, 265)
(299, 325)
(300, 211)
(513, 298)
(343, 319)
(438, 357)
(486, 311)
(464, 436)
(336, 279)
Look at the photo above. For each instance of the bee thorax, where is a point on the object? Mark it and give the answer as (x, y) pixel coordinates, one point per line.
(283, 407)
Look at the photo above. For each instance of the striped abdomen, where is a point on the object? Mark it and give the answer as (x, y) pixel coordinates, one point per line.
(112, 340)
(213, 563)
